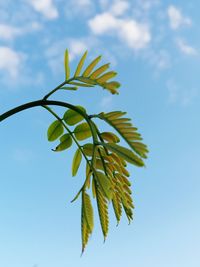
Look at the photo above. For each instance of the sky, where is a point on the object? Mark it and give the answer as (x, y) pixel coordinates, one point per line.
(155, 48)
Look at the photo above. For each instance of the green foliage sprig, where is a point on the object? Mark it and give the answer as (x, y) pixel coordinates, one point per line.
(105, 158)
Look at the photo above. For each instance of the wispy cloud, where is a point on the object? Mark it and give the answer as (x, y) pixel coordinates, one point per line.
(55, 58)
(119, 7)
(45, 7)
(176, 18)
(83, 7)
(9, 32)
(134, 34)
(185, 48)
(11, 61)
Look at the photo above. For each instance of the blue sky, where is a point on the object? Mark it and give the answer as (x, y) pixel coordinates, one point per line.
(155, 47)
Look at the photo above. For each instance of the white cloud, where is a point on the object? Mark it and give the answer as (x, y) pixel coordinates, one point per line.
(76, 48)
(148, 4)
(186, 48)
(45, 7)
(10, 61)
(176, 18)
(119, 7)
(136, 35)
(8, 32)
(83, 3)
(83, 7)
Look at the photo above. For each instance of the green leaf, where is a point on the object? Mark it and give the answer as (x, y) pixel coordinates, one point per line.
(88, 149)
(81, 84)
(102, 205)
(69, 88)
(93, 188)
(65, 143)
(72, 117)
(104, 183)
(117, 206)
(91, 66)
(107, 76)
(126, 130)
(80, 64)
(85, 230)
(110, 137)
(99, 71)
(55, 130)
(112, 87)
(76, 162)
(86, 80)
(88, 211)
(82, 131)
(125, 153)
(67, 68)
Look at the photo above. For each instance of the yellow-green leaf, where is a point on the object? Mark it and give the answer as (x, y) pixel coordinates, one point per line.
(55, 130)
(102, 205)
(88, 149)
(112, 87)
(107, 76)
(67, 68)
(99, 71)
(69, 88)
(81, 84)
(72, 117)
(125, 153)
(80, 64)
(76, 162)
(93, 188)
(82, 131)
(91, 66)
(65, 143)
(88, 211)
(85, 230)
(110, 137)
(104, 183)
(86, 80)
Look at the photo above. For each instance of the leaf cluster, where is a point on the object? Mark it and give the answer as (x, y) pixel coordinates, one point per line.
(106, 162)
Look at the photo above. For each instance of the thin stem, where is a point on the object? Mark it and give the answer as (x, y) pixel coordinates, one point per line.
(54, 90)
(51, 103)
(68, 130)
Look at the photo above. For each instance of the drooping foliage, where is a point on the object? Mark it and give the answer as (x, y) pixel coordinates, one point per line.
(105, 157)
(102, 153)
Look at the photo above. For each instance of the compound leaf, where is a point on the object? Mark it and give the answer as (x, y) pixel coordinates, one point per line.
(126, 130)
(125, 153)
(104, 184)
(88, 210)
(102, 204)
